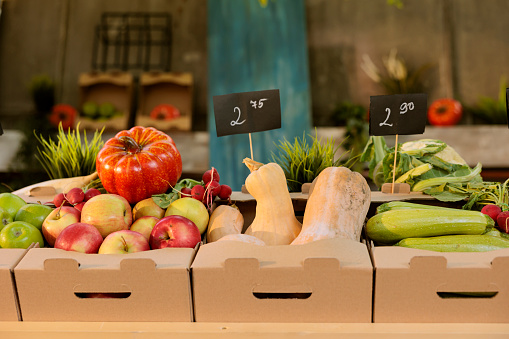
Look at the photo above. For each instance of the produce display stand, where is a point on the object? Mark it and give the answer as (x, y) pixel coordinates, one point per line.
(100, 330)
(29, 329)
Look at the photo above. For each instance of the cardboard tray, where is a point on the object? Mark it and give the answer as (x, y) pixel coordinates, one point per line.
(420, 286)
(323, 281)
(9, 307)
(166, 88)
(147, 286)
(116, 88)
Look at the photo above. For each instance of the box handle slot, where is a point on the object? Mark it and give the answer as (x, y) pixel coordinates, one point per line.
(102, 295)
(467, 295)
(280, 295)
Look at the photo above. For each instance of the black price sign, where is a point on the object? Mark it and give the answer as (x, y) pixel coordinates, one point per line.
(247, 112)
(398, 114)
(1, 130)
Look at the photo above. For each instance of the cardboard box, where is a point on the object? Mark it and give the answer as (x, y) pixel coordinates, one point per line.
(149, 286)
(99, 88)
(9, 307)
(419, 286)
(174, 89)
(323, 281)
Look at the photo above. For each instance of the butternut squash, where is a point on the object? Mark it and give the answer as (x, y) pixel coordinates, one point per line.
(250, 239)
(337, 206)
(274, 222)
(224, 220)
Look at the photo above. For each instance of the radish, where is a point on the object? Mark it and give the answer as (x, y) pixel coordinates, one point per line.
(225, 192)
(198, 192)
(209, 175)
(186, 192)
(492, 210)
(214, 187)
(503, 221)
(90, 193)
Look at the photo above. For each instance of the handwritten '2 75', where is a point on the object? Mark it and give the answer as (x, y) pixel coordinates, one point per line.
(255, 103)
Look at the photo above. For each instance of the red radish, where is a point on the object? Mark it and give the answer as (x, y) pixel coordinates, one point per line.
(79, 206)
(492, 210)
(197, 192)
(185, 192)
(225, 192)
(209, 175)
(503, 221)
(214, 187)
(59, 199)
(91, 192)
(75, 195)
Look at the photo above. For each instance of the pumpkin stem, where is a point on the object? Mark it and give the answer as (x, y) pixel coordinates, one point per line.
(130, 144)
(251, 164)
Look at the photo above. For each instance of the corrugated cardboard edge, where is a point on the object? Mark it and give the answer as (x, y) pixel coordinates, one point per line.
(13, 279)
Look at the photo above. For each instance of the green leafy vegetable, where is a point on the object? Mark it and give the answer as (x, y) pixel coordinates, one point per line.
(429, 166)
(165, 199)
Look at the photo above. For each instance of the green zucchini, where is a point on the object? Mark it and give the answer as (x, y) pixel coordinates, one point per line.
(399, 205)
(394, 225)
(457, 243)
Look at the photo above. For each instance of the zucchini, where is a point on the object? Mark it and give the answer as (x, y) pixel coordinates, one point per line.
(394, 225)
(399, 205)
(457, 243)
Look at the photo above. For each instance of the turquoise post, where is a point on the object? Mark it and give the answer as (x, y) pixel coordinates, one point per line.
(257, 45)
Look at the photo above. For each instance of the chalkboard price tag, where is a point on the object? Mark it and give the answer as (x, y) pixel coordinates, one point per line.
(398, 114)
(247, 112)
(1, 130)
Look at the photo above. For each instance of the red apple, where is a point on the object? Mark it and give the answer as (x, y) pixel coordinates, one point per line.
(492, 210)
(108, 212)
(124, 241)
(57, 220)
(144, 225)
(79, 237)
(174, 231)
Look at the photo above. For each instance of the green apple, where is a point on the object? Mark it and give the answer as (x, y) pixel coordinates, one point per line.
(106, 110)
(33, 214)
(192, 209)
(5, 218)
(90, 110)
(11, 203)
(20, 234)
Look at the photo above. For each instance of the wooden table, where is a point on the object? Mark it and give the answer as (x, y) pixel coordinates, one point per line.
(84, 330)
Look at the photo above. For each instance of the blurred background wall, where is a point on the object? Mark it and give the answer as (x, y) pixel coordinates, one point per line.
(465, 41)
(461, 46)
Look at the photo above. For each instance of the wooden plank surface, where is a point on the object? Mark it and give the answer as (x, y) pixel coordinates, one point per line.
(99, 330)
